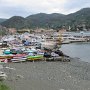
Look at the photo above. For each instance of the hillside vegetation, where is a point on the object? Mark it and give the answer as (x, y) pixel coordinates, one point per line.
(54, 20)
(2, 20)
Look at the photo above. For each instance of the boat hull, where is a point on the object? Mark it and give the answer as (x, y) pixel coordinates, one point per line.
(35, 58)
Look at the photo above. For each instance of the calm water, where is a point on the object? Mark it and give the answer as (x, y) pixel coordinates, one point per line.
(80, 50)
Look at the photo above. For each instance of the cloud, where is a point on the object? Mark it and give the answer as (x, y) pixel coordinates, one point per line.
(24, 8)
(75, 5)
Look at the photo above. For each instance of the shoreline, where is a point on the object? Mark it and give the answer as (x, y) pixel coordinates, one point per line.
(73, 75)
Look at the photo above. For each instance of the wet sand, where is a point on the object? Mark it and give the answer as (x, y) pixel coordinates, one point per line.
(74, 75)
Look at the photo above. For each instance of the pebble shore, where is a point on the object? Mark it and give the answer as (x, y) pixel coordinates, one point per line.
(73, 75)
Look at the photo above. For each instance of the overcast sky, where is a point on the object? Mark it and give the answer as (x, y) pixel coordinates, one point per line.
(9, 8)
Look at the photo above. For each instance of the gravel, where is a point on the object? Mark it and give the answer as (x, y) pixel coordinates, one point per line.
(73, 75)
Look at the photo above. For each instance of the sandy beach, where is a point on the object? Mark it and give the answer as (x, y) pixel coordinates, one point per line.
(74, 75)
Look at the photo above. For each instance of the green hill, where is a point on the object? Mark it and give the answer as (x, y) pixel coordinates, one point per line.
(55, 20)
(17, 22)
(2, 20)
(43, 20)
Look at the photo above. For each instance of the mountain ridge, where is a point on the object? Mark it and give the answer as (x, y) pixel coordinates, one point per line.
(2, 20)
(54, 20)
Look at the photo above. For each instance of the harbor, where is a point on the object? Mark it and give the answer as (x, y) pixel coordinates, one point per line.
(38, 46)
(42, 62)
(44, 45)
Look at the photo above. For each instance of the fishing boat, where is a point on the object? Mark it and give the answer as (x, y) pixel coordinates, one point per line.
(7, 52)
(19, 58)
(35, 58)
(6, 56)
(3, 61)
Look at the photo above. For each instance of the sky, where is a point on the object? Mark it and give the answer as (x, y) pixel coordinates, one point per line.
(9, 8)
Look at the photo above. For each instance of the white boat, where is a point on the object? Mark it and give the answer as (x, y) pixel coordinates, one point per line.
(19, 59)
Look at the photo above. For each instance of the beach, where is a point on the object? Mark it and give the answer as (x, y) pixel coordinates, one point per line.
(73, 75)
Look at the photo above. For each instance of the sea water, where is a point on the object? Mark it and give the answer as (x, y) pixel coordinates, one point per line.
(79, 50)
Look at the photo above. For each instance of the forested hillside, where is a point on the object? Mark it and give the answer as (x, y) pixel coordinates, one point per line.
(54, 20)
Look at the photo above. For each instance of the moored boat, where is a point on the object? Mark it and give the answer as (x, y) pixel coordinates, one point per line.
(6, 56)
(35, 58)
